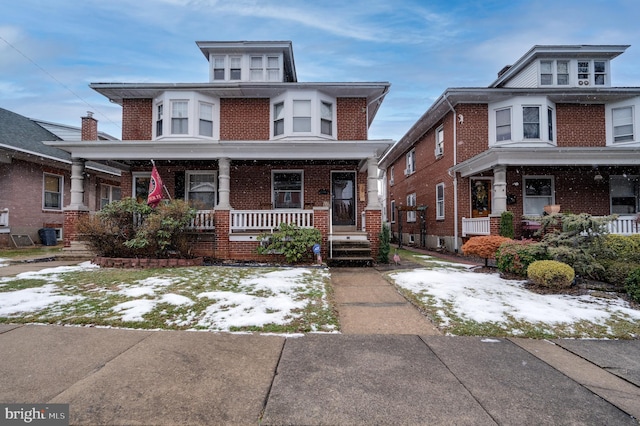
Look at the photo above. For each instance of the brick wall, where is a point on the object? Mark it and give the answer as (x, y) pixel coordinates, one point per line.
(352, 118)
(137, 116)
(580, 125)
(244, 119)
(473, 133)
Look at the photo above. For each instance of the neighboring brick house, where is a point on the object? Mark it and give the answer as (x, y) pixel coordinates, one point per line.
(35, 179)
(250, 148)
(551, 130)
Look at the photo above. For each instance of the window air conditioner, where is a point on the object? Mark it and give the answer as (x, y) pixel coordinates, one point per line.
(406, 172)
(583, 82)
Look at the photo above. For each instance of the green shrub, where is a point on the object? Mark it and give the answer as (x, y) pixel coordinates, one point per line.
(622, 247)
(293, 242)
(127, 228)
(385, 248)
(506, 225)
(632, 285)
(617, 271)
(515, 256)
(551, 274)
(484, 246)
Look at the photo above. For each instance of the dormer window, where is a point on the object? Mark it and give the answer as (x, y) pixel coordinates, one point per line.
(554, 72)
(264, 68)
(249, 67)
(235, 68)
(592, 72)
(218, 67)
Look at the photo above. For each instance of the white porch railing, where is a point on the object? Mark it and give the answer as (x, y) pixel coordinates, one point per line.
(4, 221)
(475, 226)
(623, 225)
(268, 220)
(203, 221)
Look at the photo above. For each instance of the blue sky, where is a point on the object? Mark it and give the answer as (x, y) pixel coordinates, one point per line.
(51, 50)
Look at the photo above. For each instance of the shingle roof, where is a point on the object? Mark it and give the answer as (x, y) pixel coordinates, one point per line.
(25, 135)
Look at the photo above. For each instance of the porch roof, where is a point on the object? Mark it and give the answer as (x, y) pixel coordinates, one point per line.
(125, 151)
(548, 156)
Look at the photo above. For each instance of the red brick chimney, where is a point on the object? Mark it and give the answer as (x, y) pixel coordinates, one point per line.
(89, 127)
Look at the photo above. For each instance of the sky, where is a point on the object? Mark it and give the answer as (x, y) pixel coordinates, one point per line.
(50, 51)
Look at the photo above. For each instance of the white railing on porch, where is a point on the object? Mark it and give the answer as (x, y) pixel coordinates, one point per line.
(203, 221)
(268, 220)
(475, 226)
(623, 225)
(4, 220)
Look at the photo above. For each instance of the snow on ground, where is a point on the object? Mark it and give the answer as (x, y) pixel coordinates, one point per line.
(489, 298)
(4, 262)
(32, 299)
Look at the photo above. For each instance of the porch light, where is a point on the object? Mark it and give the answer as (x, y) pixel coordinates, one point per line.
(598, 177)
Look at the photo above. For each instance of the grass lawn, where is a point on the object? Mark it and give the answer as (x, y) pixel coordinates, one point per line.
(278, 300)
(466, 303)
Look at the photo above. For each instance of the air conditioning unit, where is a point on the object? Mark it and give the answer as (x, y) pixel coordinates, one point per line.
(583, 82)
(406, 172)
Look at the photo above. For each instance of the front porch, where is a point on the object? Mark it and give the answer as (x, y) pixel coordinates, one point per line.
(622, 225)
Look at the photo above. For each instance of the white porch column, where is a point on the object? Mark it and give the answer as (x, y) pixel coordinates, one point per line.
(499, 204)
(77, 185)
(372, 184)
(224, 178)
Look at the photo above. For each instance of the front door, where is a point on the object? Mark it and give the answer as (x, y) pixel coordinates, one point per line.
(480, 197)
(343, 196)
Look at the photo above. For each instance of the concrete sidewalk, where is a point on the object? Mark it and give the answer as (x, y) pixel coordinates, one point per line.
(126, 377)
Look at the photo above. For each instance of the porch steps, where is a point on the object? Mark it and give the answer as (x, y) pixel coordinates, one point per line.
(351, 248)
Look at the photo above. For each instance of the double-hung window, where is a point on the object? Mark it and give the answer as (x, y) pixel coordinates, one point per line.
(218, 67)
(235, 68)
(599, 73)
(287, 189)
(109, 194)
(159, 119)
(439, 141)
(392, 175)
(52, 192)
(550, 124)
(531, 122)
(278, 119)
(205, 125)
(393, 211)
(411, 162)
(622, 124)
(256, 70)
(273, 68)
(326, 118)
(302, 116)
(625, 193)
(538, 192)
(440, 201)
(179, 117)
(201, 189)
(550, 69)
(503, 124)
(411, 202)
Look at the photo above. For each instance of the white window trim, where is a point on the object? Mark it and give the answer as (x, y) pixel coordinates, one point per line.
(438, 202)
(391, 175)
(245, 66)
(187, 179)
(137, 175)
(61, 180)
(316, 99)
(110, 189)
(301, 172)
(412, 201)
(554, 72)
(393, 211)
(635, 178)
(410, 162)
(635, 104)
(194, 100)
(439, 147)
(524, 191)
(517, 126)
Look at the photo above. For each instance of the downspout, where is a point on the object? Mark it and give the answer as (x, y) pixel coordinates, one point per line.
(455, 175)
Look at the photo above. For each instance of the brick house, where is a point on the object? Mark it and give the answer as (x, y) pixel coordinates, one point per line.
(550, 130)
(250, 148)
(35, 179)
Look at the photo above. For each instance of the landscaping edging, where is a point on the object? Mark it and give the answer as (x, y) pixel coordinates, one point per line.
(145, 263)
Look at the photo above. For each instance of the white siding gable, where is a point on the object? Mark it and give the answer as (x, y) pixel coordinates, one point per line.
(528, 77)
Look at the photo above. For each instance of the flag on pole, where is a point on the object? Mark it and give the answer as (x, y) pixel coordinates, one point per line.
(155, 188)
